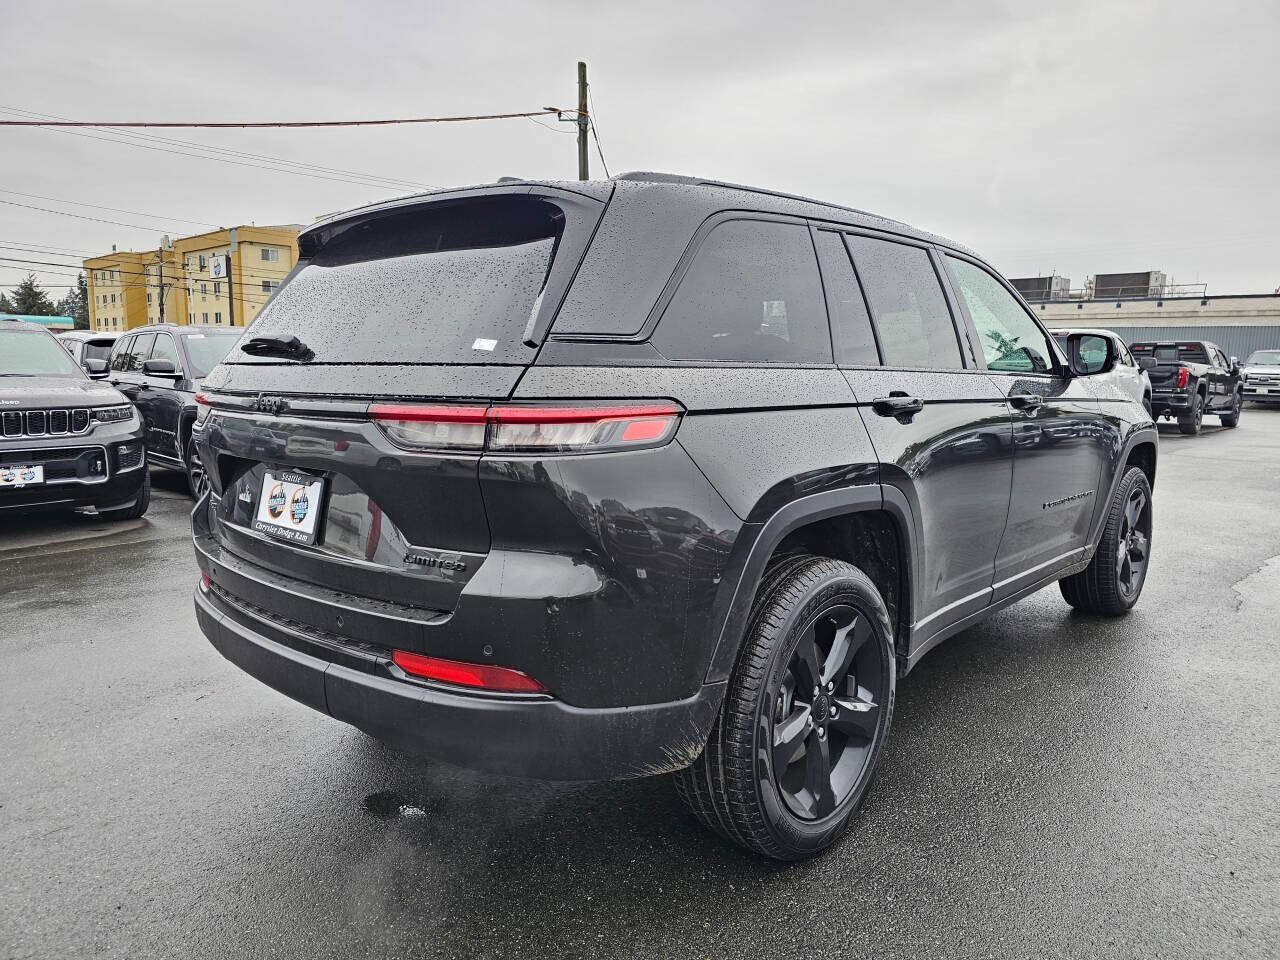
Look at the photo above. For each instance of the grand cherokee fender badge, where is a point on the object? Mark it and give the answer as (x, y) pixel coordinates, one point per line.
(1074, 496)
(452, 564)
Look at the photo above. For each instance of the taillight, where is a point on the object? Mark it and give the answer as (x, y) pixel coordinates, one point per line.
(519, 428)
(202, 407)
(479, 676)
(1183, 373)
(435, 427)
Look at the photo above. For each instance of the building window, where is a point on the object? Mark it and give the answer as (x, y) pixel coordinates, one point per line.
(217, 288)
(204, 318)
(191, 318)
(204, 289)
(217, 316)
(203, 262)
(148, 298)
(270, 286)
(113, 298)
(270, 255)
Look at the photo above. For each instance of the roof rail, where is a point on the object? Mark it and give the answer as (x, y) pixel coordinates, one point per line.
(649, 176)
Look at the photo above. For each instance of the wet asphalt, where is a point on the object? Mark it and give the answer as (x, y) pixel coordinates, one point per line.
(1056, 785)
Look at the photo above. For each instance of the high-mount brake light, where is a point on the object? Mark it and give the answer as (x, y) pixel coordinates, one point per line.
(1183, 373)
(432, 426)
(480, 676)
(528, 428)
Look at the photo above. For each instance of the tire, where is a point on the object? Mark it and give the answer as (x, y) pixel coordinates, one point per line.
(139, 506)
(197, 479)
(1232, 419)
(1113, 581)
(785, 768)
(1190, 424)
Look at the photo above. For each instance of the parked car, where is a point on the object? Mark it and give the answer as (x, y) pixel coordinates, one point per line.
(65, 441)
(159, 367)
(614, 479)
(88, 345)
(1190, 379)
(1261, 376)
(1127, 374)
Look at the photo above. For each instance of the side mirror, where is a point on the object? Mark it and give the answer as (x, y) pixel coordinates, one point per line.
(1146, 363)
(96, 369)
(159, 368)
(1235, 364)
(1090, 354)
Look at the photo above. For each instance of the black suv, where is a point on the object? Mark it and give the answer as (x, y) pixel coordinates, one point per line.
(603, 480)
(159, 367)
(65, 441)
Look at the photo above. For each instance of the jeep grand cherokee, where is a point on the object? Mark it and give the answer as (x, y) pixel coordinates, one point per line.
(612, 479)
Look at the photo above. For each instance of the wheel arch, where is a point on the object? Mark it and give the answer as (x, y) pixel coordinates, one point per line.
(1141, 449)
(868, 525)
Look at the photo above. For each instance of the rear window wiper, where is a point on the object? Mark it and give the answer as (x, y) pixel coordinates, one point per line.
(290, 347)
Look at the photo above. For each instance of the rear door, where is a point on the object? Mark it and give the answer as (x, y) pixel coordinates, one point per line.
(940, 427)
(164, 400)
(1060, 438)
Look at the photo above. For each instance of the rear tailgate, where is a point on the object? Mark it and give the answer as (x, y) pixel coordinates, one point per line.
(439, 302)
(1170, 356)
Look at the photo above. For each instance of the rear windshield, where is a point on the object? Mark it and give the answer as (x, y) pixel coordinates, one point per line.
(206, 351)
(33, 353)
(1171, 352)
(97, 350)
(449, 282)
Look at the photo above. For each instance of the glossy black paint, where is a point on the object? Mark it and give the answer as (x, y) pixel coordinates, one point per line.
(624, 579)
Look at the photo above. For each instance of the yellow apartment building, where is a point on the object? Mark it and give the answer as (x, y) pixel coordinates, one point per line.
(220, 278)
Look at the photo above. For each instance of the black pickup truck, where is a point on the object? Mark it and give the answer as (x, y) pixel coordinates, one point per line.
(1192, 378)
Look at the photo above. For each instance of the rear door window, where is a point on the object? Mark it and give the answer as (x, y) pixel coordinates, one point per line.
(140, 350)
(120, 357)
(752, 294)
(853, 338)
(446, 282)
(908, 307)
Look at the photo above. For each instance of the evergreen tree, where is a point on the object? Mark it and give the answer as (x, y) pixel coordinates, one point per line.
(5, 305)
(29, 299)
(76, 304)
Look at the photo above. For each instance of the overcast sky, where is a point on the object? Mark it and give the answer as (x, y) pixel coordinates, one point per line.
(1069, 137)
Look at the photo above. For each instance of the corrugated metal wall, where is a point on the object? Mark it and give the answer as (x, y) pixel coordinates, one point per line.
(1235, 341)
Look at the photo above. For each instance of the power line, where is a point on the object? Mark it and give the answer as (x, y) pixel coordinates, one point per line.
(80, 216)
(95, 206)
(591, 119)
(277, 124)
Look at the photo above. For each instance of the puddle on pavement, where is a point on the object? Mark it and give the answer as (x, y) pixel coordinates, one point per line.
(386, 805)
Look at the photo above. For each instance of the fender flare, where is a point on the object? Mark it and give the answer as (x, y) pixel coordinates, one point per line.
(733, 604)
(1141, 436)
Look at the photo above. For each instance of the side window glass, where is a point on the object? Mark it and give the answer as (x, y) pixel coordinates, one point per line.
(120, 359)
(907, 304)
(165, 350)
(752, 293)
(1011, 340)
(855, 343)
(141, 350)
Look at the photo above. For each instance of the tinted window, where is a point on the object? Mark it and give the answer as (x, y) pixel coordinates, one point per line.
(1011, 340)
(207, 350)
(120, 357)
(166, 349)
(34, 353)
(752, 293)
(447, 283)
(96, 350)
(850, 325)
(140, 350)
(907, 304)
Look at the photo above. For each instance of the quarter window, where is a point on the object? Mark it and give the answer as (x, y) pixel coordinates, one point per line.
(753, 294)
(1011, 340)
(907, 304)
(855, 344)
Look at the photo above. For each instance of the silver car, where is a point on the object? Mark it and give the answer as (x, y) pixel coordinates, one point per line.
(1262, 376)
(1126, 374)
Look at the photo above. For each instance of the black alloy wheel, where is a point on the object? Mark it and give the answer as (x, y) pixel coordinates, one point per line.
(826, 713)
(1232, 419)
(197, 479)
(1133, 544)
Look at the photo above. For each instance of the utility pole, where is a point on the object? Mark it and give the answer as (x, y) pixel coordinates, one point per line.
(582, 122)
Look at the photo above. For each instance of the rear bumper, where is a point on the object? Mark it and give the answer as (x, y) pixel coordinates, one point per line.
(514, 735)
(1170, 402)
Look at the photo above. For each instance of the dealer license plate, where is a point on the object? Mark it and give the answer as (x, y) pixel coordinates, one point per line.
(20, 475)
(289, 506)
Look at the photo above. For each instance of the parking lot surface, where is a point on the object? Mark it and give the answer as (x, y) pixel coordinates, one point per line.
(1055, 785)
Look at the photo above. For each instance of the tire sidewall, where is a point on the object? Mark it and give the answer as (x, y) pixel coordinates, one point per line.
(1133, 478)
(800, 838)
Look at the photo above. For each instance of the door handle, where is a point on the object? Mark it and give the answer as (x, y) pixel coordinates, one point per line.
(897, 405)
(1026, 401)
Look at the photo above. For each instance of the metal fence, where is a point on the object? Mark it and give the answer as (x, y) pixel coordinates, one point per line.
(1235, 340)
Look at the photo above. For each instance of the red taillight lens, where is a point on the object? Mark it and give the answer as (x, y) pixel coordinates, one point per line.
(1183, 373)
(479, 676)
(202, 407)
(529, 429)
(436, 427)
(204, 581)
(581, 428)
